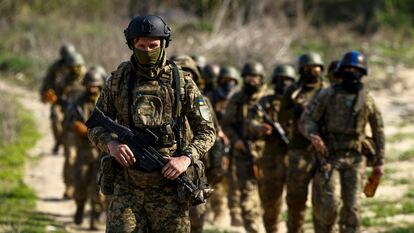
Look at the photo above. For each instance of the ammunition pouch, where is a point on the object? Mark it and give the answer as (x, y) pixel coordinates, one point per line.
(106, 177)
(196, 173)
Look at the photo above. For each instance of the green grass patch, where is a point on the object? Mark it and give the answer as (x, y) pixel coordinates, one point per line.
(407, 229)
(17, 200)
(399, 137)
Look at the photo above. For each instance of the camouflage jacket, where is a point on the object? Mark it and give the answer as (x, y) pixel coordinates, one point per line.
(69, 87)
(341, 118)
(236, 119)
(152, 107)
(294, 101)
(79, 110)
(271, 105)
(55, 71)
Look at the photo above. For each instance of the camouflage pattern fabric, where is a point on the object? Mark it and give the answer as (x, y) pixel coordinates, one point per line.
(146, 201)
(343, 132)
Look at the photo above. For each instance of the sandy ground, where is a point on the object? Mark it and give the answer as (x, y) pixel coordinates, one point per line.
(44, 175)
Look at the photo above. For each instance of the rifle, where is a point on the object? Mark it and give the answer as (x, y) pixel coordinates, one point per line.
(324, 166)
(140, 144)
(277, 128)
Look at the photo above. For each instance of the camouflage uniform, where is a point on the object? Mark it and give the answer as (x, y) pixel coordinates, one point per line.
(49, 84)
(67, 91)
(219, 100)
(273, 163)
(301, 164)
(86, 164)
(340, 117)
(197, 213)
(146, 201)
(236, 125)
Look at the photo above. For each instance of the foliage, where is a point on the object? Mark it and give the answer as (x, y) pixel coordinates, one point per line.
(17, 200)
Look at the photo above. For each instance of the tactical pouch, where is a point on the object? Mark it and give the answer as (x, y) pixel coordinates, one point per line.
(369, 151)
(196, 174)
(106, 176)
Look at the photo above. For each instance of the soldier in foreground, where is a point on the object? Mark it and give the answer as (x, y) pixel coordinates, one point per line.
(48, 91)
(335, 123)
(301, 157)
(142, 95)
(86, 164)
(246, 149)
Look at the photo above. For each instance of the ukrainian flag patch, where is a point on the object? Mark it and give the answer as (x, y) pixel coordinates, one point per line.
(200, 101)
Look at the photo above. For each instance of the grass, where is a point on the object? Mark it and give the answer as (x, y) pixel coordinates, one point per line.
(17, 200)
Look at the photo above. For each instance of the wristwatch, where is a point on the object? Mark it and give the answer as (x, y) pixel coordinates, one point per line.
(189, 154)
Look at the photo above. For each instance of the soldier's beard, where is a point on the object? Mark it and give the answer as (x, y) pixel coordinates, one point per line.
(310, 79)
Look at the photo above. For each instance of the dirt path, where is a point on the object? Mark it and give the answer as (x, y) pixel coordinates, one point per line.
(44, 174)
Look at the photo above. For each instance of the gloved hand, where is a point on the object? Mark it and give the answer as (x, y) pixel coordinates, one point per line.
(80, 128)
(49, 96)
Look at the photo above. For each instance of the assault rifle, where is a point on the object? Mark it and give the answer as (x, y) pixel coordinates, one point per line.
(277, 128)
(149, 159)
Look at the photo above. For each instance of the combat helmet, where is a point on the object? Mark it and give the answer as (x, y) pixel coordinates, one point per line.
(354, 59)
(310, 59)
(253, 68)
(188, 64)
(67, 50)
(230, 72)
(284, 71)
(93, 78)
(75, 60)
(148, 26)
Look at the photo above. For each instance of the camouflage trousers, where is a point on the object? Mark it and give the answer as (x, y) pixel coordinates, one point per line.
(197, 218)
(347, 176)
(233, 194)
(249, 193)
(217, 203)
(150, 209)
(85, 180)
(69, 163)
(56, 118)
(273, 167)
(301, 169)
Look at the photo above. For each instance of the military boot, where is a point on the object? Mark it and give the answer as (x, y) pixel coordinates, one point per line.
(94, 220)
(78, 218)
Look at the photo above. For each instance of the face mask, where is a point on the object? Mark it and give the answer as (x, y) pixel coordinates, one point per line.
(149, 63)
(250, 89)
(310, 78)
(225, 89)
(148, 58)
(281, 85)
(351, 81)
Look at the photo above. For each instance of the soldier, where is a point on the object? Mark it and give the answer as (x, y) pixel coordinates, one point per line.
(48, 92)
(67, 90)
(210, 74)
(140, 95)
(187, 64)
(335, 123)
(86, 162)
(245, 149)
(227, 82)
(273, 164)
(301, 160)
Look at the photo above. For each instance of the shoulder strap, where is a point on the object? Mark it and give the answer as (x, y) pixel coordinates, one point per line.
(131, 82)
(177, 106)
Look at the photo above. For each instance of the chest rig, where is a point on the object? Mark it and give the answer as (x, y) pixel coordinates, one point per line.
(155, 104)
